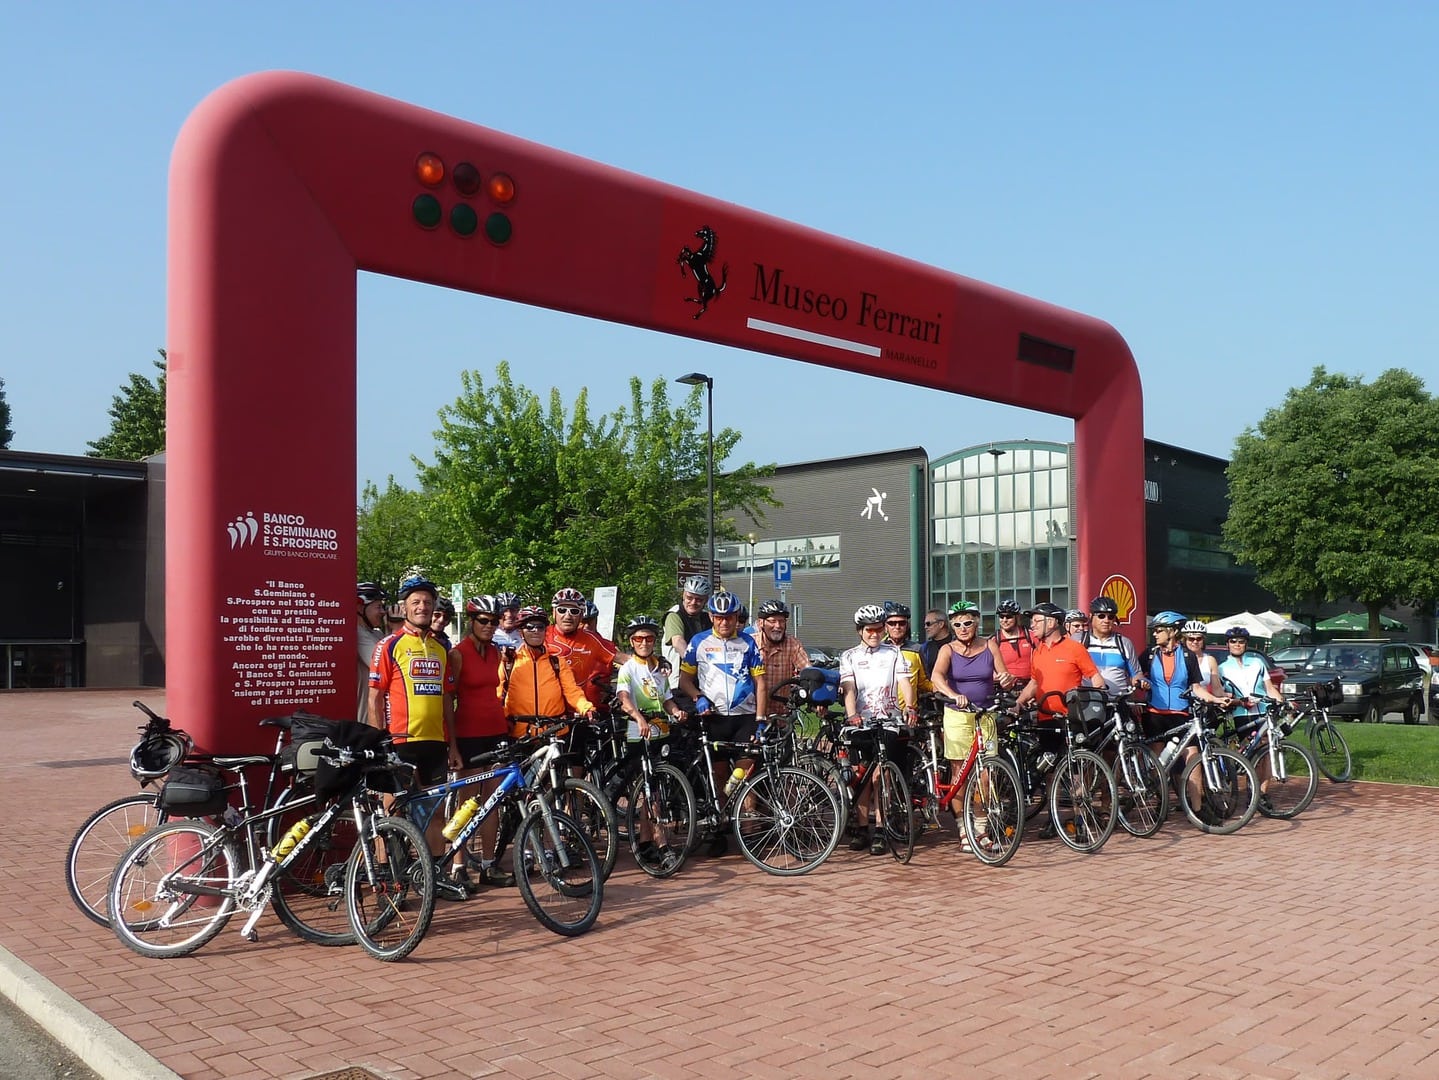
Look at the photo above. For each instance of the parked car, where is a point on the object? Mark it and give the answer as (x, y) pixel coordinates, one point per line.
(1293, 658)
(1377, 677)
(822, 658)
(1277, 674)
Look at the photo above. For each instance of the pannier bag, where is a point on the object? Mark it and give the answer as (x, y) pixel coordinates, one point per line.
(1329, 693)
(193, 791)
(308, 733)
(1086, 707)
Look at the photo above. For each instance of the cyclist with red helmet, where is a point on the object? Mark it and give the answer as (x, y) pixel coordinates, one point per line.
(590, 656)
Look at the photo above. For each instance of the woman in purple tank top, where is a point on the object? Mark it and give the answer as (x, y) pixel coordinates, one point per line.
(967, 671)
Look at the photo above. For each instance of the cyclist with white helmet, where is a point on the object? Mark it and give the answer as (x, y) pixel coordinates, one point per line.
(1076, 624)
(370, 630)
(1192, 634)
(686, 619)
(877, 685)
(507, 634)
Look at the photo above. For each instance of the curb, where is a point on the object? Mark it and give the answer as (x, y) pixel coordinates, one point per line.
(110, 1054)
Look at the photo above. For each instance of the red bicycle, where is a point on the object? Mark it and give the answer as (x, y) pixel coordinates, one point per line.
(991, 801)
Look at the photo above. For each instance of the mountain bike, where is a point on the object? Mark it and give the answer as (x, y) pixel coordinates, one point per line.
(1218, 789)
(1288, 773)
(659, 807)
(1141, 786)
(1331, 751)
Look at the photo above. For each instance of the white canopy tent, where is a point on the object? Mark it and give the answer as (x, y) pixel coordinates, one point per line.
(1256, 626)
(1282, 623)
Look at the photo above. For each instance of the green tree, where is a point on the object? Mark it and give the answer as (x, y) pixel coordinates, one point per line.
(395, 532)
(6, 434)
(530, 496)
(137, 419)
(1333, 497)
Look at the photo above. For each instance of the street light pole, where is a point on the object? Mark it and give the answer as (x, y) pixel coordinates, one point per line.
(750, 539)
(696, 378)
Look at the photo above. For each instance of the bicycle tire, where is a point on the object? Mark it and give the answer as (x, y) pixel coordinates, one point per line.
(1082, 801)
(993, 792)
(1141, 790)
(184, 849)
(309, 894)
(98, 845)
(787, 820)
(828, 770)
(390, 915)
(583, 801)
(897, 809)
(1331, 750)
(1226, 809)
(558, 875)
(1290, 797)
(614, 781)
(667, 803)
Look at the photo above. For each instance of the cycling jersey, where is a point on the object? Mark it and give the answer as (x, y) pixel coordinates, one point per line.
(476, 679)
(1059, 668)
(1115, 659)
(1246, 674)
(876, 672)
(725, 670)
(647, 685)
(588, 653)
(1018, 655)
(411, 671)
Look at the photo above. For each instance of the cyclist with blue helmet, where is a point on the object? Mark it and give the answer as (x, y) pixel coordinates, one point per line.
(1172, 674)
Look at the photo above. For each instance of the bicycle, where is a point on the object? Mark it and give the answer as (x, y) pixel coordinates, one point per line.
(156, 893)
(987, 786)
(1141, 786)
(659, 808)
(1293, 773)
(581, 799)
(895, 809)
(556, 868)
(1227, 786)
(1331, 751)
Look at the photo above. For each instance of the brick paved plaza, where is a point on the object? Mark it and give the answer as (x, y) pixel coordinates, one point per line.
(1302, 949)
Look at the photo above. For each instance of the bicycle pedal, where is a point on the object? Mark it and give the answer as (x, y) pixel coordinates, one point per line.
(251, 936)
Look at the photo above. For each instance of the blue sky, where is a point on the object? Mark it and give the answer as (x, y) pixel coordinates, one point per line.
(1243, 190)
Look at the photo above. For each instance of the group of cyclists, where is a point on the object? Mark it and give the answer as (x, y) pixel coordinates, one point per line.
(521, 665)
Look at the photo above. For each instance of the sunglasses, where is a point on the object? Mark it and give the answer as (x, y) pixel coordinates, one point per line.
(897, 622)
(643, 639)
(539, 626)
(1101, 615)
(1007, 615)
(965, 625)
(482, 620)
(570, 610)
(933, 622)
(1194, 637)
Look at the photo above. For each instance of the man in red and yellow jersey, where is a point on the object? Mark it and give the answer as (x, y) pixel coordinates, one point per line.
(408, 676)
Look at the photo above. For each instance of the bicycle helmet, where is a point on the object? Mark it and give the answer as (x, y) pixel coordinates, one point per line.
(894, 607)
(869, 615)
(1169, 619)
(1193, 626)
(446, 605)
(1236, 632)
(724, 603)
(569, 596)
(369, 592)
(1103, 605)
(592, 611)
(1007, 607)
(534, 613)
(963, 607)
(506, 600)
(153, 757)
(418, 584)
(770, 608)
(482, 605)
(642, 622)
(696, 586)
(1075, 615)
(1049, 611)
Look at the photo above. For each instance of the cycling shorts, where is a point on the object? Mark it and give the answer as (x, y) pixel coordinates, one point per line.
(430, 757)
(473, 746)
(739, 727)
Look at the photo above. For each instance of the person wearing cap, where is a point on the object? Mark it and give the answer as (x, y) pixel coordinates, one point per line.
(370, 630)
(784, 656)
(1014, 641)
(536, 685)
(409, 676)
(686, 620)
(480, 724)
(590, 656)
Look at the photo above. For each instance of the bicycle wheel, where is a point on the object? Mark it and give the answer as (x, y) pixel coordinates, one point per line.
(828, 770)
(558, 874)
(150, 909)
(97, 846)
(1289, 797)
(1082, 803)
(583, 801)
(614, 781)
(660, 808)
(897, 809)
(992, 815)
(1141, 789)
(1330, 750)
(391, 901)
(309, 893)
(1228, 791)
(787, 820)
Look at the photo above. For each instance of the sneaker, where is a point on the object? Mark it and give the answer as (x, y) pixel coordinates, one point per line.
(447, 888)
(878, 847)
(461, 877)
(859, 842)
(493, 875)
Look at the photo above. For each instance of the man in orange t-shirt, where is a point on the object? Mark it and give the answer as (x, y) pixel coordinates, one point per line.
(1060, 664)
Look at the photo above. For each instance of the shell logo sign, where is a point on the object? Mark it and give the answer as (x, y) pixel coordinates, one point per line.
(1119, 589)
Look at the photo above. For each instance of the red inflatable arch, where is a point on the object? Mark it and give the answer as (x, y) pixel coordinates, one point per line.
(284, 185)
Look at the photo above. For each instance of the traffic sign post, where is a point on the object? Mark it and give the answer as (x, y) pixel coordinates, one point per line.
(782, 571)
